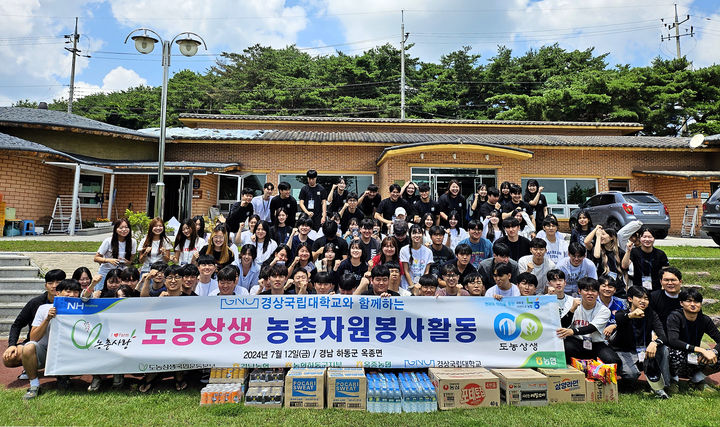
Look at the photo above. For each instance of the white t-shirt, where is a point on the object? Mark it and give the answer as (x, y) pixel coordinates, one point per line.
(573, 274)
(40, 315)
(239, 290)
(556, 250)
(204, 289)
(186, 254)
(598, 316)
(261, 207)
(105, 251)
(421, 258)
(262, 256)
(155, 254)
(539, 271)
(565, 305)
(514, 291)
(457, 235)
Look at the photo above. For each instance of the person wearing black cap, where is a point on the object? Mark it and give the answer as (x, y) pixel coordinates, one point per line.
(313, 197)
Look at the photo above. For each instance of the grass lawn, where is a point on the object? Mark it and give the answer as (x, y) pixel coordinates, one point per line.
(690, 251)
(172, 408)
(47, 246)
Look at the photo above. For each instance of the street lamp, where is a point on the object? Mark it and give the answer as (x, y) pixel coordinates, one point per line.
(145, 43)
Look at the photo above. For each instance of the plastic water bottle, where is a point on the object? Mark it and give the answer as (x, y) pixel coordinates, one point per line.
(370, 394)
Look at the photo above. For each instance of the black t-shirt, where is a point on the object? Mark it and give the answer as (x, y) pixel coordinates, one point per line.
(648, 264)
(338, 201)
(371, 292)
(510, 206)
(538, 210)
(238, 214)
(280, 234)
(341, 247)
(369, 205)
(347, 216)
(518, 249)
(421, 208)
(449, 204)
(370, 249)
(440, 257)
(217, 255)
(313, 197)
(357, 271)
(484, 211)
(387, 207)
(290, 205)
(663, 305)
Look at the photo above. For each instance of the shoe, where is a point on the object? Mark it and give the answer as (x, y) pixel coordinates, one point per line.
(118, 380)
(23, 375)
(673, 388)
(660, 394)
(95, 384)
(32, 392)
(702, 388)
(63, 383)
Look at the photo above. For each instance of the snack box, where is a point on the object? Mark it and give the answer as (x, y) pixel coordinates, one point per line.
(597, 391)
(522, 387)
(465, 387)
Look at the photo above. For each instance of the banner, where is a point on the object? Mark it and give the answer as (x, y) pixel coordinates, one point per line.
(133, 335)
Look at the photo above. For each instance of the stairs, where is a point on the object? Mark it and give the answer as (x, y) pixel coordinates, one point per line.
(19, 283)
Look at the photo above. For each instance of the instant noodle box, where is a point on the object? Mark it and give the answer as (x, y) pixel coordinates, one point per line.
(305, 388)
(465, 387)
(598, 391)
(565, 385)
(346, 388)
(522, 387)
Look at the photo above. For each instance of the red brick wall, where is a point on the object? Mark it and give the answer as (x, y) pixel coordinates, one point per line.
(672, 192)
(28, 185)
(208, 188)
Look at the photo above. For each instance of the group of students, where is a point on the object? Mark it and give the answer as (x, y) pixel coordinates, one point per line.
(610, 284)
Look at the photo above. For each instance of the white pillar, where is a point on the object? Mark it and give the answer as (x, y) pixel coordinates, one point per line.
(75, 207)
(110, 196)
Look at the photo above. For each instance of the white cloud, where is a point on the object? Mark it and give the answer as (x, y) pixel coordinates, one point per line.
(224, 24)
(703, 48)
(119, 78)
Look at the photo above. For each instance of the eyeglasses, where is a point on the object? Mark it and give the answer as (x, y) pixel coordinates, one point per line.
(173, 278)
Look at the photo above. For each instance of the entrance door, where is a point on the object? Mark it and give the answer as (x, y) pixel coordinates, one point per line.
(467, 184)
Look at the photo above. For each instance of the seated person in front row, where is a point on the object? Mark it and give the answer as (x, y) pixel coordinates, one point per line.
(396, 279)
(556, 286)
(427, 286)
(527, 283)
(227, 279)
(583, 326)
(376, 283)
(639, 340)
(451, 279)
(685, 329)
(474, 285)
(503, 287)
(34, 351)
(277, 278)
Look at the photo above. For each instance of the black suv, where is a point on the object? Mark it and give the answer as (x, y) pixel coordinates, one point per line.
(710, 220)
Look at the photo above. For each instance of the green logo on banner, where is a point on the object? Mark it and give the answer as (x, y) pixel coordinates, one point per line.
(83, 334)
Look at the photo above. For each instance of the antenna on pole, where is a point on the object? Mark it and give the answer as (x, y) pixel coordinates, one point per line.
(676, 26)
(75, 36)
(403, 38)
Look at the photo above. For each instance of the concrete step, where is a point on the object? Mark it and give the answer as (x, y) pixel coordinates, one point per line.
(10, 309)
(6, 323)
(22, 296)
(20, 283)
(14, 260)
(19, 271)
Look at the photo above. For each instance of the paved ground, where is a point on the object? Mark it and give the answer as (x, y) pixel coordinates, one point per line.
(67, 262)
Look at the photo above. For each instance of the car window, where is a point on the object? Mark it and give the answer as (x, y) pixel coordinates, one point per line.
(641, 198)
(593, 201)
(715, 196)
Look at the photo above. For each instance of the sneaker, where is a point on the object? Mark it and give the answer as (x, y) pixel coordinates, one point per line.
(63, 383)
(702, 388)
(23, 375)
(95, 384)
(660, 394)
(32, 393)
(118, 380)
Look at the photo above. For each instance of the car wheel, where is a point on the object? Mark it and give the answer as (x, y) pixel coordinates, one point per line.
(716, 238)
(661, 234)
(613, 223)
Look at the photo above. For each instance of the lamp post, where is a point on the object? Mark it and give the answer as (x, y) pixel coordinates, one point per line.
(145, 44)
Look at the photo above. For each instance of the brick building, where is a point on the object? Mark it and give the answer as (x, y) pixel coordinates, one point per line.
(214, 156)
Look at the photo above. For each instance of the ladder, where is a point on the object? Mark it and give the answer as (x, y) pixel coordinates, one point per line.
(689, 221)
(60, 222)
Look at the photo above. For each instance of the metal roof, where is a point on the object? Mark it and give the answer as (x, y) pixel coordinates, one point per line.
(396, 120)
(9, 142)
(682, 174)
(24, 117)
(395, 138)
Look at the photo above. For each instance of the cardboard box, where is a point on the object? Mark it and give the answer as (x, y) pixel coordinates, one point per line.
(597, 391)
(522, 387)
(346, 388)
(565, 385)
(465, 388)
(305, 388)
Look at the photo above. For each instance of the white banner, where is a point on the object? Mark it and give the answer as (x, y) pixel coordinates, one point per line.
(132, 335)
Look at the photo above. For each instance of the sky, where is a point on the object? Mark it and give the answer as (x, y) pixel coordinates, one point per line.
(37, 67)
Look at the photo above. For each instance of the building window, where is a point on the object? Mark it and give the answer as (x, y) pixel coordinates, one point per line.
(354, 183)
(439, 178)
(230, 188)
(565, 194)
(618, 185)
(91, 191)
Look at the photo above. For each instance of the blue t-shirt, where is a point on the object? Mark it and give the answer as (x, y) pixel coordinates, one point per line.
(480, 250)
(615, 305)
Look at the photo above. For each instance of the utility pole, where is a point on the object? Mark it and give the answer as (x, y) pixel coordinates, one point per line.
(75, 36)
(676, 26)
(403, 38)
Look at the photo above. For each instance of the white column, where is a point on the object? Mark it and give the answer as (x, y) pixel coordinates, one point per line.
(75, 207)
(110, 196)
